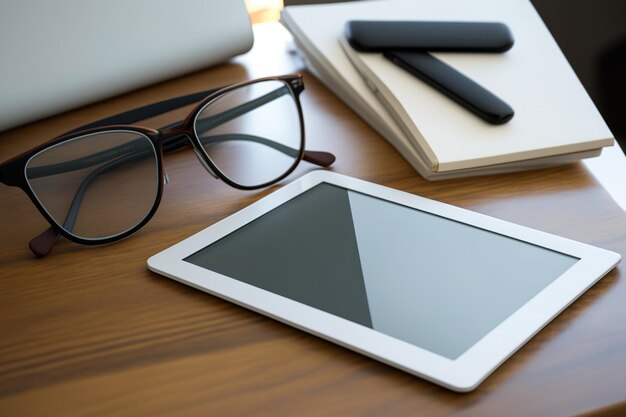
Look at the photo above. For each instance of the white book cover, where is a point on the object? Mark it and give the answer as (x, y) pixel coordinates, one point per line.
(553, 113)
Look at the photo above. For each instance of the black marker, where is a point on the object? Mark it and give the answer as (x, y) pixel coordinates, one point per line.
(416, 36)
(453, 84)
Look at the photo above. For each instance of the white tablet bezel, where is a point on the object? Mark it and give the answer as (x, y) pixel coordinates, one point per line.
(461, 374)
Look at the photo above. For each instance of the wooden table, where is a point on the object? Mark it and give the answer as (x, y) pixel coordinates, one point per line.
(90, 331)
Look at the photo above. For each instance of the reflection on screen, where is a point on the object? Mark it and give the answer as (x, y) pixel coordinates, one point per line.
(429, 281)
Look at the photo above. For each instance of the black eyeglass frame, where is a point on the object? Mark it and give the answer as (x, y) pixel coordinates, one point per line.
(13, 171)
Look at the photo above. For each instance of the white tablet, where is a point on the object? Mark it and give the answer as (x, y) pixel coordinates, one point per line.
(435, 290)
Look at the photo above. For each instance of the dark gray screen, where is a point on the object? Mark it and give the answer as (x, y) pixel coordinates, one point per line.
(430, 281)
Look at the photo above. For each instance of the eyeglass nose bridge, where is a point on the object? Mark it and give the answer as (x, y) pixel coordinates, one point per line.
(174, 131)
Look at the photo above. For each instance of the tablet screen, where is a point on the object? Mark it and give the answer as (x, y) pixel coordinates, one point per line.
(430, 281)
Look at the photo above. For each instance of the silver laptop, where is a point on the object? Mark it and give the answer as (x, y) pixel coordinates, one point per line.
(57, 55)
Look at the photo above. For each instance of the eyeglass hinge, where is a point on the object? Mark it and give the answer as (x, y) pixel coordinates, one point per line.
(297, 84)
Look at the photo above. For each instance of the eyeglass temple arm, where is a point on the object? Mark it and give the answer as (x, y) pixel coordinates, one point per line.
(173, 143)
(125, 118)
(319, 158)
(176, 142)
(128, 118)
(146, 112)
(205, 124)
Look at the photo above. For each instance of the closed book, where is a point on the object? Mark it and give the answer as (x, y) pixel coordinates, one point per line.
(555, 120)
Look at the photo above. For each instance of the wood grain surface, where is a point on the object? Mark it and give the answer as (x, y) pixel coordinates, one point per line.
(89, 331)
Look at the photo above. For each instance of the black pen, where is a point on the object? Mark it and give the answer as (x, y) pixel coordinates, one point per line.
(453, 84)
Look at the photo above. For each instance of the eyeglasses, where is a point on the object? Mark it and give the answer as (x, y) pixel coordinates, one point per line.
(102, 182)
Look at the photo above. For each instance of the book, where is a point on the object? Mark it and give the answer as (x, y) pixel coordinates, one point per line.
(555, 122)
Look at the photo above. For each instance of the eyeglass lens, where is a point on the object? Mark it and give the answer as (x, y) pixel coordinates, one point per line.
(256, 146)
(99, 185)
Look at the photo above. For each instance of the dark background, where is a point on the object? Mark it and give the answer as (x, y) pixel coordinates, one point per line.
(592, 35)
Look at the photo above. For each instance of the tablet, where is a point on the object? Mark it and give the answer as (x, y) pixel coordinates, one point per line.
(435, 290)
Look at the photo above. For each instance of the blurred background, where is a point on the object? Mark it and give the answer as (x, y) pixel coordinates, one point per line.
(591, 34)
